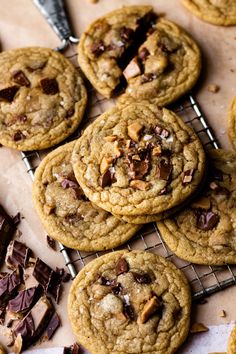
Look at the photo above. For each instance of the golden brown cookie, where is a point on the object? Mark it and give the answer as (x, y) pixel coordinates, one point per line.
(67, 215)
(232, 122)
(130, 302)
(42, 98)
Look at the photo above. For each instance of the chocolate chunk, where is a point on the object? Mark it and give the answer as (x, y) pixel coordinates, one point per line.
(17, 255)
(73, 349)
(32, 325)
(20, 78)
(42, 273)
(163, 133)
(126, 34)
(98, 48)
(54, 323)
(128, 311)
(16, 219)
(117, 289)
(9, 285)
(122, 266)
(143, 54)
(8, 93)
(49, 86)
(188, 176)
(23, 301)
(18, 135)
(70, 112)
(107, 282)
(66, 183)
(142, 278)
(65, 277)
(7, 229)
(107, 178)
(54, 287)
(207, 220)
(139, 168)
(148, 77)
(51, 243)
(164, 170)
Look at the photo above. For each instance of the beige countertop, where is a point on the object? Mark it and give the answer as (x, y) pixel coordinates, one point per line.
(21, 24)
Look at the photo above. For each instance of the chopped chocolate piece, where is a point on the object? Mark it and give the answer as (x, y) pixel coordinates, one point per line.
(128, 311)
(66, 183)
(98, 48)
(73, 349)
(42, 273)
(70, 112)
(122, 266)
(164, 170)
(163, 133)
(8, 93)
(207, 220)
(49, 86)
(65, 277)
(20, 78)
(17, 254)
(142, 278)
(54, 287)
(23, 301)
(51, 243)
(32, 325)
(9, 285)
(54, 323)
(107, 178)
(188, 176)
(126, 34)
(143, 54)
(7, 229)
(139, 169)
(16, 219)
(148, 77)
(107, 282)
(117, 289)
(18, 135)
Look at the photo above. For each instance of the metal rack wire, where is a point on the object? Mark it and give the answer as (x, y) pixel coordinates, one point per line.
(204, 280)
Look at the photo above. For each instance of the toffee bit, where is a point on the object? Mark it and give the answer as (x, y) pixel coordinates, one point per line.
(213, 88)
(51, 243)
(149, 309)
(198, 327)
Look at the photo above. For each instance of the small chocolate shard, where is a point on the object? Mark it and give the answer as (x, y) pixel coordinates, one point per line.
(20, 78)
(126, 34)
(164, 170)
(207, 220)
(162, 132)
(7, 229)
(18, 135)
(142, 278)
(23, 301)
(128, 311)
(49, 86)
(148, 77)
(64, 276)
(139, 168)
(52, 326)
(8, 93)
(122, 266)
(9, 285)
(70, 112)
(16, 219)
(17, 255)
(73, 349)
(107, 282)
(117, 289)
(188, 176)
(98, 48)
(42, 273)
(107, 178)
(51, 243)
(143, 54)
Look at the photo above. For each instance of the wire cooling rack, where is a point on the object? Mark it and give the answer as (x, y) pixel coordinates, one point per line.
(205, 280)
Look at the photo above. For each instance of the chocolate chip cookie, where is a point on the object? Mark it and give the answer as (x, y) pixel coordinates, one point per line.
(67, 215)
(42, 98)
(232, 342)
(138, 160)
(204, 233)
(232, 122)
(217, 12)
(130, 302)
(167, 64)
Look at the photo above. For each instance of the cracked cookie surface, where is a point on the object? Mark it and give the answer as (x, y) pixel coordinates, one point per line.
(232, 122)
(231, 349)
(42, 98)
(67, 215)
(217, 12)
(204, 233)
(167, 65)
(138, 160)
(130, 302)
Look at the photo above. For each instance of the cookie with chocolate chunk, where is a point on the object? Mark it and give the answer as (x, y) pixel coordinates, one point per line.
(232, 122)
(217, 12)
(67, 215)
(167, 66)
(42, 98)
(130, 302)
(138, 160)
(231, 349)
(204, 233)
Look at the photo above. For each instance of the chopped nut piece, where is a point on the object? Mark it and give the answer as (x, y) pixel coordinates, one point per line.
(105, 164)
(134, 131)
(48, 209)
(222, 313)
(156, 151)
(149, 309)
(213, 88)
(198, 327)
(122, 266)
(138, 184)
(132, 69)
(202, 203)
(110, 138)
